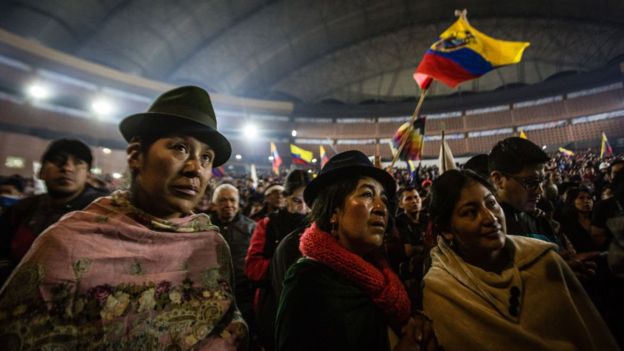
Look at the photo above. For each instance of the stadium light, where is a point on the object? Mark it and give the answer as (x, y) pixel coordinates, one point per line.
(117, 175)
(38, 91)
(250, 130)
(271, 158)
(102, 107)
(106, 151)
(293, 133)
(314, 160)
(238, 156)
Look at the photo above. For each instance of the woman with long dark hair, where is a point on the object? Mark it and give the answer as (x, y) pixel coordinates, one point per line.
(487, 290)
(576, 218)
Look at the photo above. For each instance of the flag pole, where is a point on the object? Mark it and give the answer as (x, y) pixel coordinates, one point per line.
(377, 155)
(443, 165)
(411, 126)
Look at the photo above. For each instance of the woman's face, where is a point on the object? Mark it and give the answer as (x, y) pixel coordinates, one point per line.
(477, 223)
(584, 202)
(362, 220)
(172, 176)
(295, 203)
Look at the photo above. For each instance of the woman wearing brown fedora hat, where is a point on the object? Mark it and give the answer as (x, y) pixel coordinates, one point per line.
(342, 295)
(138, 269)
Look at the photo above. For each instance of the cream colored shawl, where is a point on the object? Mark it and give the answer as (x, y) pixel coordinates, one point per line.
(535, 304)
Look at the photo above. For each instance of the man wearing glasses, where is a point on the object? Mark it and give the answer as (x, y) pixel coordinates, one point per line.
(516, 169)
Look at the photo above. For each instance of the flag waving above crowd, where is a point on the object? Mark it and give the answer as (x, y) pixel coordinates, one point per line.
(605, 147)
(409, 139)
(463, 53)
(277, 160)
(300, 156)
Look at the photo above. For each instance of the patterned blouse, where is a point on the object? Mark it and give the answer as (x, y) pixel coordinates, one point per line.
(113, 277)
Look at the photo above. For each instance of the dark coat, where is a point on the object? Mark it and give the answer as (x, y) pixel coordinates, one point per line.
(22, 223)
(286, 254)
(322, 310)
(237, 234)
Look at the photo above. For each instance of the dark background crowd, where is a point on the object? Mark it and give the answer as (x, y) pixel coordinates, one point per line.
(573, 201)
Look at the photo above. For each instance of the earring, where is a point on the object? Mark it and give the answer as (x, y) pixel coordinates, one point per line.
(334, 229)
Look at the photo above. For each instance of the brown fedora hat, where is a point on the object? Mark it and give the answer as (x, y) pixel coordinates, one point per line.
(186, 110)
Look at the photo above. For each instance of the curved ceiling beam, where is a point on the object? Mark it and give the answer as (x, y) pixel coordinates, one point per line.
(210, 39)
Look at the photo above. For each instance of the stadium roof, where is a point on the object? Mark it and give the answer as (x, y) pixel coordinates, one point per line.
(316, 51)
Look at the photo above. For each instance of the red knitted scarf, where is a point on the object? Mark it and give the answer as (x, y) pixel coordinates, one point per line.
(378, 282)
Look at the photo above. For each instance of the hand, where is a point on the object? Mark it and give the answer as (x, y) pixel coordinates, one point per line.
(417, 335)
(582, 265)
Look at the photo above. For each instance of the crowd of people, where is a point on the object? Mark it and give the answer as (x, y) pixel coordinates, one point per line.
(514, 249)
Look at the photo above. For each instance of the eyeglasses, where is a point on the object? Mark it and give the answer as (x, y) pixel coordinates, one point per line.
(528, 183)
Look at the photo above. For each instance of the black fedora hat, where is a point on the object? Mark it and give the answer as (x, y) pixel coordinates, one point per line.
(349, 164)
(185, 109)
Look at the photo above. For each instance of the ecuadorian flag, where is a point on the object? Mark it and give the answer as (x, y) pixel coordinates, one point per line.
(277, 160)
(463, 53)
(300, 156)
(605, 148)
(324, 156)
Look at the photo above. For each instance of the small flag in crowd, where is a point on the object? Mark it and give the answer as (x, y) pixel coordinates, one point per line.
(522, 135)
(218, 172)
(605, 148)
(411, 165)
(415, 139)
(412, 168)
(277, 160)
(254, 176)
(446, 159)
(300, 156)
(566, 151)
(324, 157)
(463, 53)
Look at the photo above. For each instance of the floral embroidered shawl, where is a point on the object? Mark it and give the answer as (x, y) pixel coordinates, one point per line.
(113, 277)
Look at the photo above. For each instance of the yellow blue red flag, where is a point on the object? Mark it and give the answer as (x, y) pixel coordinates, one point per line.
(277, 160)
(300, 156)
(566, 151)
(605, 148)
(324, 156)
(463, 53)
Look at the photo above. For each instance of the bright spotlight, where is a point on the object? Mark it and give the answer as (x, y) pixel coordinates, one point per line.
(250, 130)
(544, 147)
(106, 151)
(102, 107)
(117, 175)
(271, 158)
(293, 133)
(314, 160)
(238, 157)
(38, 91)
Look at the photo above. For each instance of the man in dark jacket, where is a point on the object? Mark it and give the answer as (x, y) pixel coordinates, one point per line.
(65, 166)
(236, 230)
